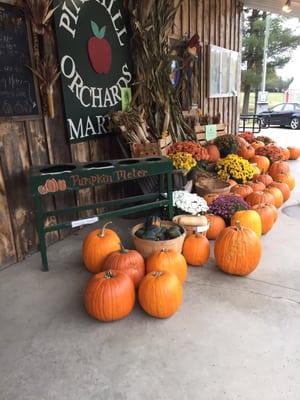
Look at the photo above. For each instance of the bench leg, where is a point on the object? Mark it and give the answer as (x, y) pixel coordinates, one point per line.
(170, 196)
(41, 232)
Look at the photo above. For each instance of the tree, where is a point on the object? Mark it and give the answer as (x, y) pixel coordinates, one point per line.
(281, 43)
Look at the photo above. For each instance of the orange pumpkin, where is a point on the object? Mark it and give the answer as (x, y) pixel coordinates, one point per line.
(266, 179)
(237, 250)
(260, 198)
(262, 162)
(248, 219)
(128, 261)
(283, 187)
(246, 151)
(109, 296)
(256, 186)
(97, 245)
(294, 153)
(196, 250)
(160, 294)
(210, 197)
(242, 190)
(168, 260)
(257, 144)
(279, 167)
(278, 196)
(216, 225)
(286, 178)
(286, 153)
(266, 214)
(214, 153)
(275, 211)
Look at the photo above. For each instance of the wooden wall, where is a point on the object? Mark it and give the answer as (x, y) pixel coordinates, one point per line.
(27, 143)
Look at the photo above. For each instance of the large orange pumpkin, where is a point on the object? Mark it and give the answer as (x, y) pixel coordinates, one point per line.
(256, 186)
(216, 225)
(262, 162)
(196, 250)
(266, 179)
(248, 219)
(168, 260)
(278, 196)
(237, 250)
(294, 153)
(266, 214)
(210, 197)
(214, 153)
(283, 187)
(289, 179)
(246, 151)
(160, 294)
(128, 261)
(279, 167)
(109, 296)
(97, 245)
(260, 198)
(242, 190)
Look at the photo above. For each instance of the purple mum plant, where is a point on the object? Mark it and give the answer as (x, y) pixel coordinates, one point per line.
(226, 206)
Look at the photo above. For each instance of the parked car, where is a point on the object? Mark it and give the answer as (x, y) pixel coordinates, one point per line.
(287, 114)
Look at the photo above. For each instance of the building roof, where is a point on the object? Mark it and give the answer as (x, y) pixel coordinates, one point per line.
(274, 6)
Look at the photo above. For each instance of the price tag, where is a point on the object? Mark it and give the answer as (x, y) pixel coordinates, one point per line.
(210, 132)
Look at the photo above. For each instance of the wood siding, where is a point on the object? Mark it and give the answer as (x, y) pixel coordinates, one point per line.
(23, 144)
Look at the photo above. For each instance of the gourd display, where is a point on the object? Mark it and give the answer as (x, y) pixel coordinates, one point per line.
(256, 186)
(196, 250)
(237, 250)
(246, 151)
(248, 219)
(283, 187)
(260, 198)
(128, 261)
(109, 296)
(294, 153)
(289, 179)
(168, 260)
(266, 214)
(279, 167)
(241, 190)
(97, 245)
(160, 294)
(216, 225)
(266, 179)
(262, 162)
(278, 196)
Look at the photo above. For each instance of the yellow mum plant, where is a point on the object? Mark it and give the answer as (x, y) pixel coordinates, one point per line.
(183, 160)
(236, 168)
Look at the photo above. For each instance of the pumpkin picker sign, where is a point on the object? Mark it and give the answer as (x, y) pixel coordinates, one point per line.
(93, 47)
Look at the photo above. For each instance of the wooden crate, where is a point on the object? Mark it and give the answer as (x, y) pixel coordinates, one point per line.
(200, 131)
(159, 148)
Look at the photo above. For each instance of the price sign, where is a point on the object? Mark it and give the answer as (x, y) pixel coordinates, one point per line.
(210, 132)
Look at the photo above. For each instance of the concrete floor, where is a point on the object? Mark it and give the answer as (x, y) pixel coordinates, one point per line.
(233, 338)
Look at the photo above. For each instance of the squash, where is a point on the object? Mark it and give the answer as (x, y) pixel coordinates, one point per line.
(248, 219)
(278, 196)
(237, 250)
(283, 187)
(196, 250)
(242, 190)
(289, 179)
(266, 214)
(128, 261)
(260, 198)
(262, 162)
(109, 296)
(173, 232)
(97, 245)
(191, 220)
(279, 167)
(266, 179)
(294, 153)
(216, 225)
(168, 260)
(160, 294)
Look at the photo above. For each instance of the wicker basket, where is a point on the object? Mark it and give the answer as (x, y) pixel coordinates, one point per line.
(211, 185)
(148, 247)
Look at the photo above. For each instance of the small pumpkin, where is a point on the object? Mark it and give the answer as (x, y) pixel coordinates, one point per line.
(257, 144)
(283, 187)
(214, 153)
(196, 249)
(275, 211)
(260, 198)
(109, 296)
(128, 261)
(210, 197)
(256, 186)
(294, 153)
(160, 294)
(279, 167)
(51, 185)
(266, 179)
(246, 152)
(289, 179)
(168, 260)
(262, 162)
(266, 214)
(242, 190)
(97, 245)
(278, 196)
(237, 250)
(286, 153)
(248, 219)
(216, 225)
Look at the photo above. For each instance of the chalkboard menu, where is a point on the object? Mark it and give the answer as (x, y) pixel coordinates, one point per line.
(18, 90)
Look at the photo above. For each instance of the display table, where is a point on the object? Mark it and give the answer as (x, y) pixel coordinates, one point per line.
(56, 179)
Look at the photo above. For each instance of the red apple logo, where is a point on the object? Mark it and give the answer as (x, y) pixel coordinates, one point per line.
(99, 50)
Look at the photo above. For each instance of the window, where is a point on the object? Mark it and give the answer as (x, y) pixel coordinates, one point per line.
(277, 108)
(289, 107)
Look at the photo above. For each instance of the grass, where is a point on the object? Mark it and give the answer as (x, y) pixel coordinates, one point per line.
(273, 98)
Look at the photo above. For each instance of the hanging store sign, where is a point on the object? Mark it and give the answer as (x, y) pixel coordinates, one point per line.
(93, 47)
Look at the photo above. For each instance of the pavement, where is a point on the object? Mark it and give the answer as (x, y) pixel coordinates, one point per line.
(233, 338)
